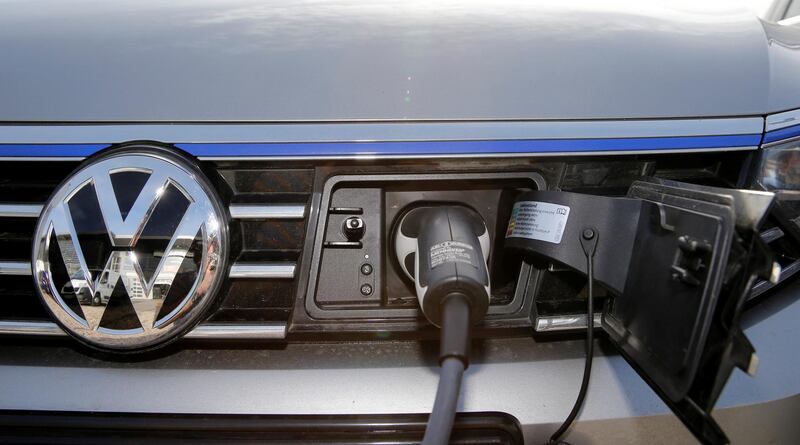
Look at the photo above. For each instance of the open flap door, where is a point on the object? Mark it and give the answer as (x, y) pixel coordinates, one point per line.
(680, 260)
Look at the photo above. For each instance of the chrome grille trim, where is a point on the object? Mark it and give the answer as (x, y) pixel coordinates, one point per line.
(262, 270)
(238, 270)
(266, 331)
(15, 268)
(238, 211)
(268, 211)
(20, 210)
(559, 323)
(38, 328)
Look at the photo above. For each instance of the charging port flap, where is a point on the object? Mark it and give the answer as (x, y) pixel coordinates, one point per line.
(695, 259)
(679, 260)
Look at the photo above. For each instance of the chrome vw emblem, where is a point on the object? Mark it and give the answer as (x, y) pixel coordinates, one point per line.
(127, 251)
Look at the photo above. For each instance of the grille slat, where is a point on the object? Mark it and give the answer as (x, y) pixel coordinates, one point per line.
(15, 268)
(270, 211)
(262, 270)
(240, 331)
(20, 210)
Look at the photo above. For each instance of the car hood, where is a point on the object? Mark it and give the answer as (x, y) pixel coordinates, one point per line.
(409, 59)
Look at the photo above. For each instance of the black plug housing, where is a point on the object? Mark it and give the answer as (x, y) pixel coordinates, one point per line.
(450, 247)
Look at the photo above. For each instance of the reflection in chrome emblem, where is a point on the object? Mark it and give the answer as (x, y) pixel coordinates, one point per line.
(126, 253)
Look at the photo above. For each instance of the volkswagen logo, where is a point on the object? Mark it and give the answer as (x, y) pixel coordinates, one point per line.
(130, 249)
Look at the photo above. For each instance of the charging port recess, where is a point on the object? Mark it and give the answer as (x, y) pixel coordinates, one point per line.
(340, 297)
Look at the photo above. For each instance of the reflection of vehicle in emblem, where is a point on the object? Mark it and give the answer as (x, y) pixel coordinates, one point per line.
(126, 250)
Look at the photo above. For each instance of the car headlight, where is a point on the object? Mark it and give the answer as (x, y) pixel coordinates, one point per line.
(780, 167)
(779, 172)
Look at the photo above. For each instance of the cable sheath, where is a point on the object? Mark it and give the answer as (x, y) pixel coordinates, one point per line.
(444, 408)
(453, 359)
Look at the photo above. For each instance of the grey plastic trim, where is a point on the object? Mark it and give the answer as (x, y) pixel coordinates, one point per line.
(266, 331)
(20, 210)
(262, 270)
(366, 131)
(267, 211)
(15, 268)
(560, 323)
(783, 120)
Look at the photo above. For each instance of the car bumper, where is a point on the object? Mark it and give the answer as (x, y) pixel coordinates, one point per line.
(534, 381)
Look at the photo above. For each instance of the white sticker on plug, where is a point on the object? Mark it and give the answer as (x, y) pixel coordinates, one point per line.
(452, 252)
(542, 221)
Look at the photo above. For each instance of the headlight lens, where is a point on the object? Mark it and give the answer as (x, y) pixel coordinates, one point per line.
(779, 172)
(780, 167)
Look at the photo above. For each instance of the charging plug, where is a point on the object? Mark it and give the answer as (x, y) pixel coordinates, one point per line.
(444, 250)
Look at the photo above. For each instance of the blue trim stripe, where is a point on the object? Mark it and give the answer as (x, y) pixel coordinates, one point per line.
(783, 133)
(323, 149)
(50, 150)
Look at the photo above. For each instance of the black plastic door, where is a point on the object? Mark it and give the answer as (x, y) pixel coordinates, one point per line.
(696, 255)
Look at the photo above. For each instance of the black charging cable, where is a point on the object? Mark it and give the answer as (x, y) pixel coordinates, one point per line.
(589, 243)
(450, 247)
(453, 359)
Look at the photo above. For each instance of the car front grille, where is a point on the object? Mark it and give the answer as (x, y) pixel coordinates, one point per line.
(268, 210)
(272, 218)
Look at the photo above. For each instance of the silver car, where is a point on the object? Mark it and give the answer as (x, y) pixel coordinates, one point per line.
(400, 221)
